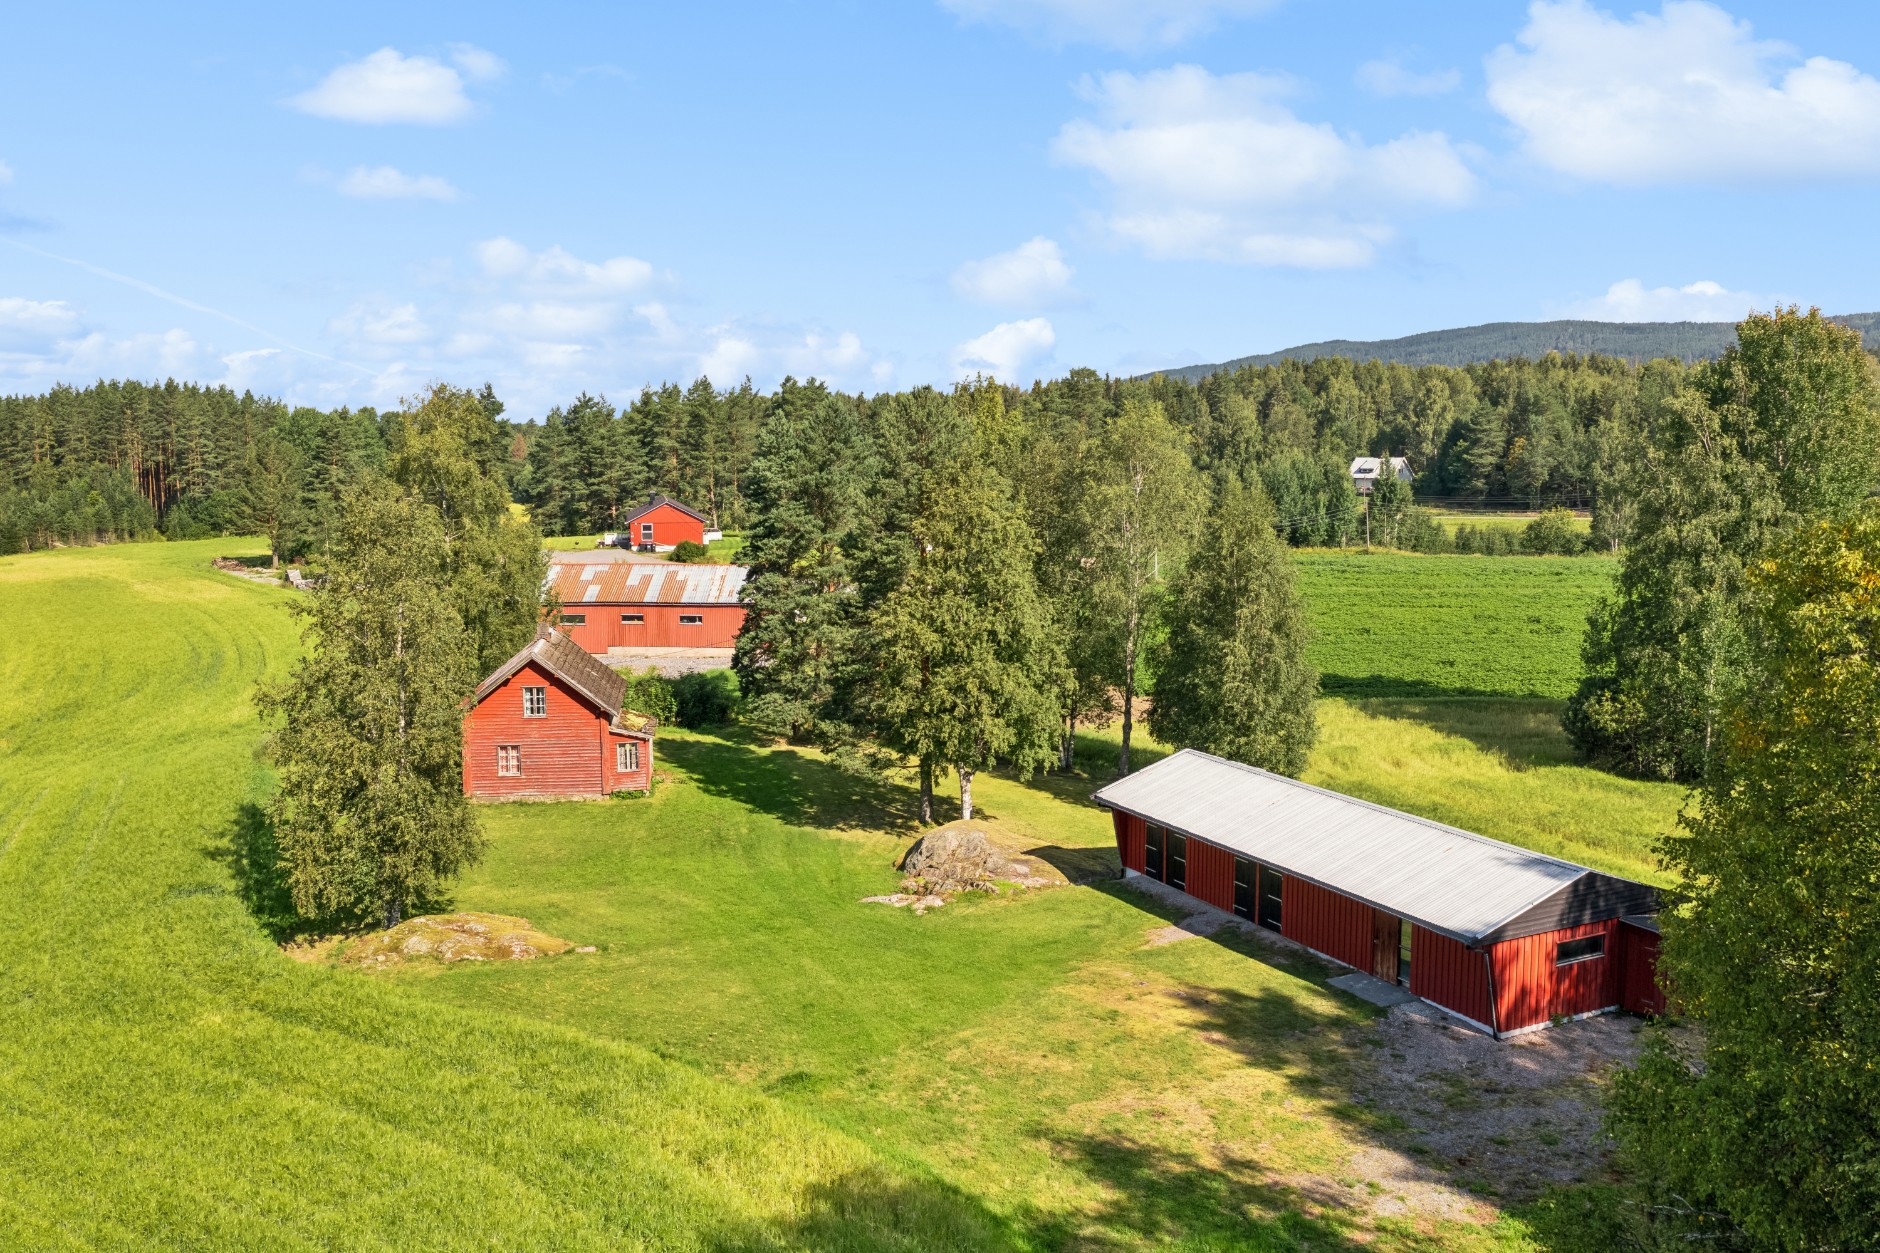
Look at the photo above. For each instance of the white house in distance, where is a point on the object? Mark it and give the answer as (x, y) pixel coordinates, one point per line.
(1364, 472)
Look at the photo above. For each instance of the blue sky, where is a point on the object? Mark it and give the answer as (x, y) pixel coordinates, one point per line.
(339, 204)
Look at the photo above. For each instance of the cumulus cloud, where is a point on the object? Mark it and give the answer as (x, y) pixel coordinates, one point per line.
(34, 325)
(390, 87)
(377, 324)
(1034, 273)
(1391, 77)
(1125, 24)
(1215, 167)
(1005, 350)
(556, 268)
(6, 173)
(1629, 300)
(385, 182)
(1687, 94)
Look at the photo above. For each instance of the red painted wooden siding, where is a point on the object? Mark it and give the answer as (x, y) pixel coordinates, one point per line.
(1318, 918)
(1132, 837)
(1211, 874)
(670, 527)
(603, 628)
(1638, 990)
(1449, 973)
(567, 753)
(1530, 988)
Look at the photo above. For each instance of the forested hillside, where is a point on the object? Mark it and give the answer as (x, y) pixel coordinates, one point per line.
(128, 460)
(1500, 341)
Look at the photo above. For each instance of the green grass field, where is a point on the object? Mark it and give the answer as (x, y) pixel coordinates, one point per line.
(753, 1059)
(1483, 520)
(1405, 625)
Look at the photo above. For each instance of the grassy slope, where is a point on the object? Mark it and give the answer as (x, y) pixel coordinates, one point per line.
(169, 1077)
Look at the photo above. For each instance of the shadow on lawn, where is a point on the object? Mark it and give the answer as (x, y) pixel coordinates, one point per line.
(1525, 732)
(791, 785)
(1389, 687)
(871, 1209)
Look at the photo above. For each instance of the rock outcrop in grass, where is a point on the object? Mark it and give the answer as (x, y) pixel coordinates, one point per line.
(453, 938)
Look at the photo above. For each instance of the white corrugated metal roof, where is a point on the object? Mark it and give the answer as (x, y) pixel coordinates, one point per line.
(1450, 880)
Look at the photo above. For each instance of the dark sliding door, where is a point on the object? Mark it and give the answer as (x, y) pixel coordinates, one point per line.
(1272, 890)
(1153, 841)
(1246, 887)
(1177, 860)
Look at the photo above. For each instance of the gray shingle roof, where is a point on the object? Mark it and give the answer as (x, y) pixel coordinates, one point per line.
(585, 674)
(1449, 880)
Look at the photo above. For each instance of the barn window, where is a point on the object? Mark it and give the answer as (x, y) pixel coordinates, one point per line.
(509, 759)
(1586, 948)
(633, 618)
(574, 619)
(1246, 886)
(691, 619)
(1153, 839)
(535, 702)
(1272, 894)
(646, 532)
(627, 757)
(1177, 860)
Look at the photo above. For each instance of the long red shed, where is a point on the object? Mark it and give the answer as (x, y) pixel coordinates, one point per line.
(648, 604)
(1507, 939)
(662, 524)
(548, 723)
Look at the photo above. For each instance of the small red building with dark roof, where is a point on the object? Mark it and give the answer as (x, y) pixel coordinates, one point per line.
(662, 524)
(548, 723)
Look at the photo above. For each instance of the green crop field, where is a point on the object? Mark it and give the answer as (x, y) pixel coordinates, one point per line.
(752, 1059)
(1405, 625)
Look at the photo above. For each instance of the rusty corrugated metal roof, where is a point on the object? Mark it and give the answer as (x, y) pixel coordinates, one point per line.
(1453, 881)
(644, 583)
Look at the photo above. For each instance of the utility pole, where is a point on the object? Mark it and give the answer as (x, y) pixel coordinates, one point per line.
(1367, 520)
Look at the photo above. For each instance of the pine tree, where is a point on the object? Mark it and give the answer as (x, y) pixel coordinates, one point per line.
(1231, 673)
(370, 815)
(960, 666)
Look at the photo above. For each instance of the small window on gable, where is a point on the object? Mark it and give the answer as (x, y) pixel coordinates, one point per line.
(691, 619)
(1586, 948)
(627, 757)
(535, 702)
(509, 759)
(633, 618)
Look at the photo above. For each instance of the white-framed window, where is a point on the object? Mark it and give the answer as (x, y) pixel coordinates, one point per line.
(627, 757)
(535, 702)
(633, 619)
(646, 532)
(509, 759)
(691, 619)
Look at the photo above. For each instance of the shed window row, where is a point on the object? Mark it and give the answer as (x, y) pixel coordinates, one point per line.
(1258, 890)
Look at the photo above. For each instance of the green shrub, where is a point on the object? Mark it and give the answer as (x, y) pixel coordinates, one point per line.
(1553, 532)
(706, 698)
(651, 693)
(689, 551)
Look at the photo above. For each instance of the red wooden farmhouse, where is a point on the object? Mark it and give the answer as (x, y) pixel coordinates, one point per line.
(661, 524)
(1506, 939)
(548, 722)
(648, 604)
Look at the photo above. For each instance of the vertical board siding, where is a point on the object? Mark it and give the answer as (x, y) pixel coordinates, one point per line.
(561, 753)
(670, 527)
(1447, 972)
(1211, 874)
(1530, 989)
(662, 629)
(1639, 991)
(1321, 919)
(1132, 835)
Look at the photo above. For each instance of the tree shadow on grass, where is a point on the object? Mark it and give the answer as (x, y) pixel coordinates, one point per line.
(1525, 732)
(873, 1209)
(1389, 687)
(792, 785)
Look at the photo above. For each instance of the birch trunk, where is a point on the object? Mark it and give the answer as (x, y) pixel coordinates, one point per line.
(926, 792)
(966, 794)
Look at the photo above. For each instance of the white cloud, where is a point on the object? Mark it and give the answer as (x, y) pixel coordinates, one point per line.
(1687, 94)
(1004, 351)
(1629, 300)
(34, 325)
(389, 87)
(1391, 77)
(153, 355)
(380, 325)
(1125, 24)
(1033, 273)
(555, 268)
(385, 182)
(1214, 167)
(478, 65)
(6, 173)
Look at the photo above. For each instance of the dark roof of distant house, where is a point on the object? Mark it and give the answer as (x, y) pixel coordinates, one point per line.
(1464, 885)
(579, 670)
(654, 502)
(578, 583)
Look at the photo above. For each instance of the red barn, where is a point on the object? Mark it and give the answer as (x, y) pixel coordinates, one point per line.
(549, 723)
(660, 525)
(648, 604)
(1507, 939)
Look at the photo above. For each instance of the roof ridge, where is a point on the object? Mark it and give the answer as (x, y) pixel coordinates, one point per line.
(1477, 836)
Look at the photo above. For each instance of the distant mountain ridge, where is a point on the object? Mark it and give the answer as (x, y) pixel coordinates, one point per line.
(1496, 341)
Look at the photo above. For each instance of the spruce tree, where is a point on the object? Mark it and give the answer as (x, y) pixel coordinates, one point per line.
(370, 815)
(1231, 672)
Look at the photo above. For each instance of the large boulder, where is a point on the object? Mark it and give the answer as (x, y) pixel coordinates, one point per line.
(955, 858)
(453, 938)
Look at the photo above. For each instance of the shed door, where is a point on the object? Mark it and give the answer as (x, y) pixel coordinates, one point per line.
(1246, 887)
(1152, 851)
(1272, 897)
(1386, 935)
(1177, 860)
